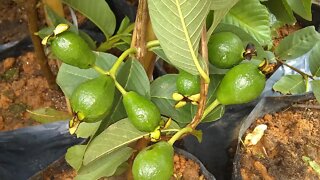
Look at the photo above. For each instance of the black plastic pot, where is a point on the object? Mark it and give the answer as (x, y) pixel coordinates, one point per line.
(267, 105)
(28, 150)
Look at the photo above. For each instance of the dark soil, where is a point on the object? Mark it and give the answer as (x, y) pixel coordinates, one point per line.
(13, 22)
(22, 87)
(291, 134)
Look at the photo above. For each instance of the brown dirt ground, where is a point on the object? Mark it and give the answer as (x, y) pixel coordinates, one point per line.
(184, 169)
(291, 134)
(23, 87)
(14, 24)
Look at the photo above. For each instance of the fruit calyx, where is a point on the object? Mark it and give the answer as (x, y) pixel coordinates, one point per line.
(183, 100)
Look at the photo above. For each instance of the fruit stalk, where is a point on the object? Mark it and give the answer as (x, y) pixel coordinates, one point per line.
(152, 44)
(116, 65)
(126, 53)
(211, 107)
(179, 134)
(100, 70)
(119, 87)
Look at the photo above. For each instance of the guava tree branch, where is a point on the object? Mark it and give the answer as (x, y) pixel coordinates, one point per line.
(30, 7)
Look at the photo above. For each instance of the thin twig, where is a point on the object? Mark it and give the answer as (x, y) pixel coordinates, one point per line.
(303, 74)
(204, 86)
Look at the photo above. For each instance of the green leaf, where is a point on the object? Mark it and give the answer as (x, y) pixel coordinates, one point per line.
(252, 17)
(86, 130)
(215, 80)
(290, 84)
(302, 8)
(218, 112)
(178, 24)
(91, 43)
(313, 164)
(282, 10)
(161, 94)
(70, 77)
(222, 4)
(197, 134)
(316, 89)
(218, 15)
(124, 24)
(42, 33)
(56, 19)
(105, 166)
(98, 12)
(297, 43)
(314, 60)
(215, 114)
(74, 156)
(132, 77)
(115, 136)
(48, 115)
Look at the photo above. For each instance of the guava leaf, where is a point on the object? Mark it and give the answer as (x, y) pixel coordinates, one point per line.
(85, 130)
(222, 4)
(316, 89)
(252, 17)
(297, 43)
(70, 77)
(105, 166)
(91, 43)
(124, 25)
(42, 33)
(215, 80)
(215, 114)
(218, 112)
(114, 137)
(197, 134)
(282, 10)
(314, 60)
(218, 15)
(132, 77)
(290, 84)
(48, 115)
(161, 94)
(178, 24)
(302, 8)
(98, 12)
(56, 19)
(74, 156)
